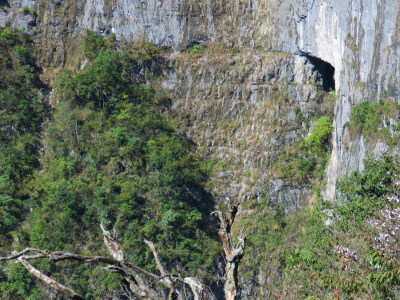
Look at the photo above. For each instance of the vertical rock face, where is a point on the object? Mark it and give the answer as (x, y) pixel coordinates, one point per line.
(242, 108)
(262, 62)
(359, 38)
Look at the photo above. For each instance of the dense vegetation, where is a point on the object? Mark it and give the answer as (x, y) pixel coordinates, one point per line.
(332, 247)
(110, 150)
(306, 160)
(111, 153)
(373, 120)
(22, 112)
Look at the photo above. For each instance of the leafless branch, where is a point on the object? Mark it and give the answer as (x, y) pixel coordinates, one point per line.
(132, 274)
(49, 281)
(160, 267)
(233, 253)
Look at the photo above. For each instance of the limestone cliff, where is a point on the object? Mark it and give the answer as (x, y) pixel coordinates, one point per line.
(261, 60)
(242, 114)
(358, 38)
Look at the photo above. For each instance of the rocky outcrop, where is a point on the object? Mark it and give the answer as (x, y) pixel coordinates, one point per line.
(263, 63)
(359, 38)
(242, 113)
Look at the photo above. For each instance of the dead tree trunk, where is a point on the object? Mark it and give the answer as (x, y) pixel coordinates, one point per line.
(49, 281)
(133, 274)
(233, 253)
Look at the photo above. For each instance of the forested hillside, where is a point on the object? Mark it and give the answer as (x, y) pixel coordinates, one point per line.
(23, 113)
(106, 149)
(99, 143)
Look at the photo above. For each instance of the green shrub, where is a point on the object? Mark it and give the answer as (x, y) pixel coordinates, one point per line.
(196, 50)
(25, 10)
(21, 120)
(145, 51)
(20, 54)
(111, 155)
(19, 285)
(8, 35)
(365, 191)
(114, 156)
(367, 119)
(305, 166)
(360, 117)
(318, 141)
(92, 44)
(306, 159)
(314, 267)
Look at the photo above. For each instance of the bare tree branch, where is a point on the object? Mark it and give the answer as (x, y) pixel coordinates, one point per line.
(233, 253)
(15, 254)
(113, 247)
(199, 290)
(141, 270)
(174, 294)
(127, 270)
(160, 267)
(132, 273)
(49, 281)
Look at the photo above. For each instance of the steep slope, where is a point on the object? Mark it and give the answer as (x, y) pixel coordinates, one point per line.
(248, 79)
(246, 108)
(358, 38)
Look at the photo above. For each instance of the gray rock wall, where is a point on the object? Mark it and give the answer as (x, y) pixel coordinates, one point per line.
(359, 38)
(241, 104)
(242, 115)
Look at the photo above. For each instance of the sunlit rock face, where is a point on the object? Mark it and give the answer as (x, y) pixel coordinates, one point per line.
(358, 38)
(243, 95)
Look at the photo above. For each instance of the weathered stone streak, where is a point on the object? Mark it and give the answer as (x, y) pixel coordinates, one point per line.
(360, 39)
(242, 115)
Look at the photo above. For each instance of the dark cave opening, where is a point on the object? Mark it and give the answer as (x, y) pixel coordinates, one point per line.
(326, 71)
(4, 3)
